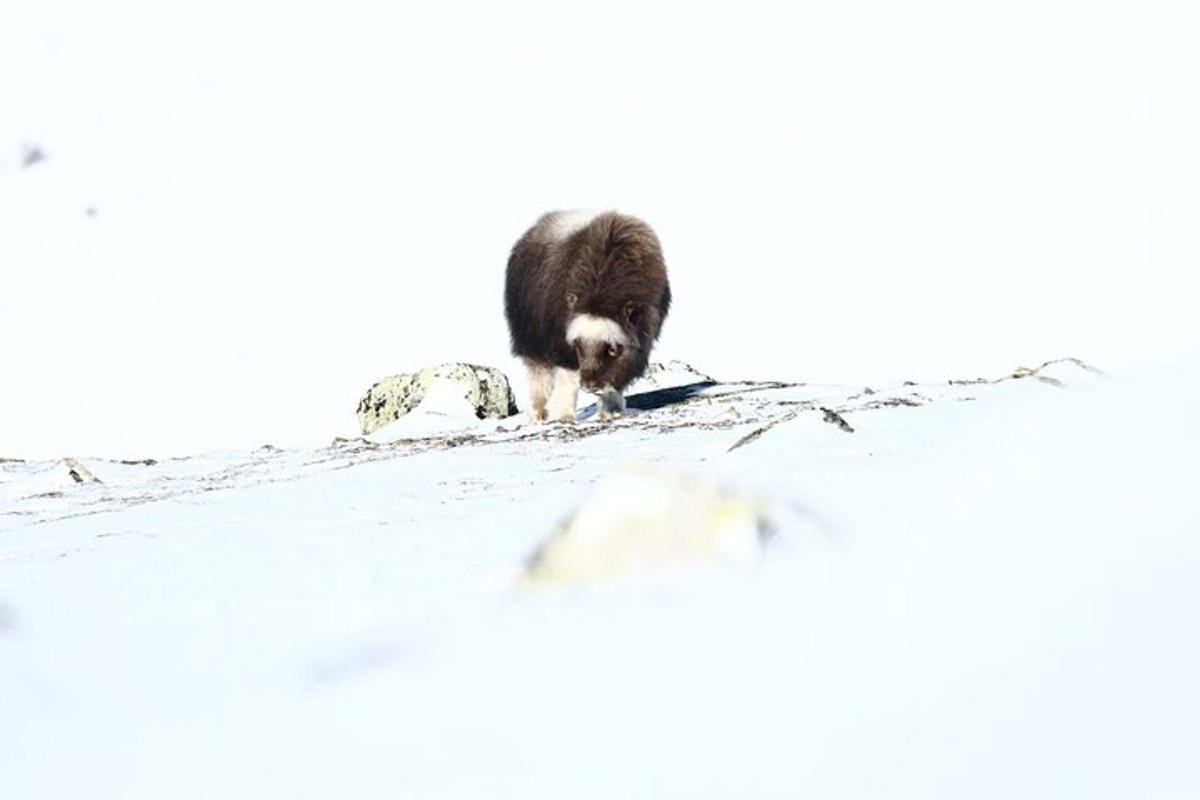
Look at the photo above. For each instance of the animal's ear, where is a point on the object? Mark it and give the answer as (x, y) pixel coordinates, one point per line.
(633, 313)
(572, 299)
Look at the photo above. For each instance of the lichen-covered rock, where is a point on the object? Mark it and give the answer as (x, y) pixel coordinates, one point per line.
(486, 390)
(644, 519)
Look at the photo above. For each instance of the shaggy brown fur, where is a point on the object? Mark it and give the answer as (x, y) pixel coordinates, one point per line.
(612, 267)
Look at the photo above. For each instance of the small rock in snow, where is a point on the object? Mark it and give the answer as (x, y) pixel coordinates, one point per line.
(666, 375)
(77, 472)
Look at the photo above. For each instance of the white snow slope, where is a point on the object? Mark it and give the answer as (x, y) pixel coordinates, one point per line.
(986, 590)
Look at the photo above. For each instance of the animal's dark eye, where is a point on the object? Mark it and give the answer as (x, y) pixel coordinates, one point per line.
(614, 350)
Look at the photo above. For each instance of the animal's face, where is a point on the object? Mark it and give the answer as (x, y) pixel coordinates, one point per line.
(604, 365)
(609, 357)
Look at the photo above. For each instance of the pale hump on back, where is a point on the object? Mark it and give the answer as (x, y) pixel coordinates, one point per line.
(564, 223)
(596, 329)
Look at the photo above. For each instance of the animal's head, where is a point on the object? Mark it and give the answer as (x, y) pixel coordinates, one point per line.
(609, 350)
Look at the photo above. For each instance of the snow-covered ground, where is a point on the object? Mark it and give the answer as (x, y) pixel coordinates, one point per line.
(221, 222)
(987, 589)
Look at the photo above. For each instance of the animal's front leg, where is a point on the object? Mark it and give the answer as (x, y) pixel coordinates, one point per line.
(610, 404)
(541, 381)
(565, 396)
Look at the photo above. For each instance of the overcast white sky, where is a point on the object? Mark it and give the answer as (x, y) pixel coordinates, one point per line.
(291, 203)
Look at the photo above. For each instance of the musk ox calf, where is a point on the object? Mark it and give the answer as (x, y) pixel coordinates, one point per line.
(585, 296)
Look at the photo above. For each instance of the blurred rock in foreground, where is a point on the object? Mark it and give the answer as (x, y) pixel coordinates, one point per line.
(644, 519)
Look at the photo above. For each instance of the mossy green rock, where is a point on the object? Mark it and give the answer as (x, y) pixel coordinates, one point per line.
(485, 388)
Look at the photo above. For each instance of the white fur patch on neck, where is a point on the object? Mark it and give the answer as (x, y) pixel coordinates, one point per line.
(596, 329)
(565, 223)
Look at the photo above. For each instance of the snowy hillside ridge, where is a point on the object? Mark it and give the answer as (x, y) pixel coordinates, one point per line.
(736, 414)
(987, 590)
